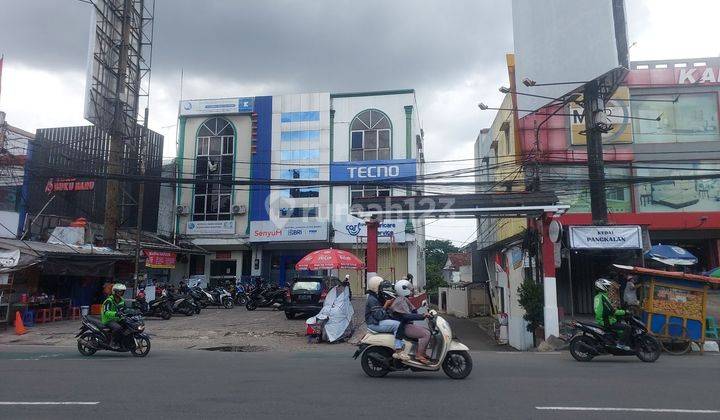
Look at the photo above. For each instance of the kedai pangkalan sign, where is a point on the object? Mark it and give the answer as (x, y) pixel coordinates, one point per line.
(605, 237)
(374, 170)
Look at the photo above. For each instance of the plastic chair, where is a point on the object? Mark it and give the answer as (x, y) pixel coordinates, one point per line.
(43, 316)
(29, 318)
(711, 328)
(57, 314)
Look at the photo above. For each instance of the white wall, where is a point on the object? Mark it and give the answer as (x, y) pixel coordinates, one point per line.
(519, 337)
(10, 220)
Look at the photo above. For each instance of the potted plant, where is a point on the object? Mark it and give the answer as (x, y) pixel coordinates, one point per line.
(530, 297)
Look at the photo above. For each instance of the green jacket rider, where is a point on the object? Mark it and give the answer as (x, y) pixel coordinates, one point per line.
(113, 303)
(605, 314)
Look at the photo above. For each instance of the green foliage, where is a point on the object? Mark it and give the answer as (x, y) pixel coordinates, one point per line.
(530, 297)
(435, 257)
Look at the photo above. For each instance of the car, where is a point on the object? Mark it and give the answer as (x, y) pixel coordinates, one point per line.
(306, 295)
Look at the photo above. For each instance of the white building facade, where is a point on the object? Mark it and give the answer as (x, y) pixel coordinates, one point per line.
(263, 228)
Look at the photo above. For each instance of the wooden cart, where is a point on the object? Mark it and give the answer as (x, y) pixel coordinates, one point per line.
(674, 306)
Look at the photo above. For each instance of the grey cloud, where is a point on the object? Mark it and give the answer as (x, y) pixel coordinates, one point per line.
(330, 45)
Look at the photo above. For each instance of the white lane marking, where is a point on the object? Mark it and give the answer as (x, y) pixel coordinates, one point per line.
(49, 402)
(646, 410)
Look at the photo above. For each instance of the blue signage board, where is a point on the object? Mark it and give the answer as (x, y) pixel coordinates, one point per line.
(374, 170)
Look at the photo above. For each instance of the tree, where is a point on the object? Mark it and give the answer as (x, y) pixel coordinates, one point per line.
(436, 254)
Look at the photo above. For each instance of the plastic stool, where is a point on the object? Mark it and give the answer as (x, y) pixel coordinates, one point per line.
(75, 312)
(57, 314)
(43, 315)
(29, 318)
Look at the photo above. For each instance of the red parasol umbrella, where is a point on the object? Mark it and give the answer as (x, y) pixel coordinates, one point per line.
(328, 259)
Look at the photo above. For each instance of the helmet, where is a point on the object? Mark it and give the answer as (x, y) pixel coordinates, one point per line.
(403, 288)
(373, 284)
(119, 287)
(603, 284)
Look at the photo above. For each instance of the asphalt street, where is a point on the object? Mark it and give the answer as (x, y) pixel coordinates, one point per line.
(330, 384)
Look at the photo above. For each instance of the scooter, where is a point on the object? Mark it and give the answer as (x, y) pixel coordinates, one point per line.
(94, 336)
(265, 297)
(591, 340)
(200, 296)
(222, 297)
(182, 304)
(160, 307)
(376, 350)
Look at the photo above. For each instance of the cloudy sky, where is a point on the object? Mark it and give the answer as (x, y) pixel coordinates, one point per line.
(451, 52)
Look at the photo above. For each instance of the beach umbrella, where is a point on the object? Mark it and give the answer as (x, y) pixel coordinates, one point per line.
(329, 259)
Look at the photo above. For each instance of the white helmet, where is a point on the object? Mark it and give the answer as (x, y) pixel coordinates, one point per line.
(119, 287)
(603, 284)
(403, 288)
(373, 284)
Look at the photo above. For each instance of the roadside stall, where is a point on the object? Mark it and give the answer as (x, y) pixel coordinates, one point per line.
(674, 305)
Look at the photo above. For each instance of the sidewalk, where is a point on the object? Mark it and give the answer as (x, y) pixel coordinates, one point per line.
(473, 333)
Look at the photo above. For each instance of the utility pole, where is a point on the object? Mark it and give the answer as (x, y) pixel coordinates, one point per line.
(117, 136)
(593, 104)
(142, 154)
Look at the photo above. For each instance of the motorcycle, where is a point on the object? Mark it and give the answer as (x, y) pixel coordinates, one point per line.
(240, 293)
(266, 296)
(376, 350)
(591, 340)
(160, 307)
(200, 296)
(222, 297)
(94, 336)
(183, 305)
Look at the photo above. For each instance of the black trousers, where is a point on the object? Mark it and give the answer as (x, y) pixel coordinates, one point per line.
(116, 329)
(622, 331)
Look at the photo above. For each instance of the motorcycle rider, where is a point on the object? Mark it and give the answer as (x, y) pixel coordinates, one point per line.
(606, 315)
(111, 306)
(406, 313)
(378, 319)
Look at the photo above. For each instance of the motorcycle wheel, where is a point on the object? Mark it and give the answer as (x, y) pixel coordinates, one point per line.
(227, 303)
(251, 305)
(241, 300)
(143, 347)
(648, 348)
(84, 349)
(371, 366)
(457, 364)
(166, 315)
(578, 352)
(189, 311)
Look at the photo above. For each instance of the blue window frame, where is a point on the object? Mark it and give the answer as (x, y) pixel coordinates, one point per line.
(307, 154)
(300, 135)
(300, 116)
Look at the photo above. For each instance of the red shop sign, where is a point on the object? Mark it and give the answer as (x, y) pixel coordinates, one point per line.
(159, 259)
(68, 184)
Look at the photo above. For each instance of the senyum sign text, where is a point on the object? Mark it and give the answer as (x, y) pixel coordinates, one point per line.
(400, 170)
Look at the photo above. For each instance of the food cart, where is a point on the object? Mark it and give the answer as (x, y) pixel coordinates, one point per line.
(674, 306)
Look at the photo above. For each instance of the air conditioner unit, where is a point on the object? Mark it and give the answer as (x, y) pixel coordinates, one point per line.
(181, 210)
(239, 209)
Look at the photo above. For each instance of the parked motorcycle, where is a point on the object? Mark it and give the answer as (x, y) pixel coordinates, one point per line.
(240, 293)
(94, 336)
(266, 296)
(200, 296)
(183, 304)
(221, 297)
(591, 340)
(376, 350)
(160, 307)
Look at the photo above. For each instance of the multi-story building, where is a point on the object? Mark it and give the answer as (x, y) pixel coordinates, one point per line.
(14, 146)
(681, 150)
(338, 143)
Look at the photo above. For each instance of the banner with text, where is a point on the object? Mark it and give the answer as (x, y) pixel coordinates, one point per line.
(351, 229)
(374, 170)
(605, 237)
(268, 231)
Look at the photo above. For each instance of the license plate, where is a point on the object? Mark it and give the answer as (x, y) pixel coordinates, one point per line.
(304, 297)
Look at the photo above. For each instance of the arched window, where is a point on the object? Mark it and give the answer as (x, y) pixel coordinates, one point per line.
(370, 136)
(215, 153)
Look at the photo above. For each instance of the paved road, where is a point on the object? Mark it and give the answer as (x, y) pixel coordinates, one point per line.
(329, 384)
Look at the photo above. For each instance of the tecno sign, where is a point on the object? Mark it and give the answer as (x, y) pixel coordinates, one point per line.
(399, 169)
